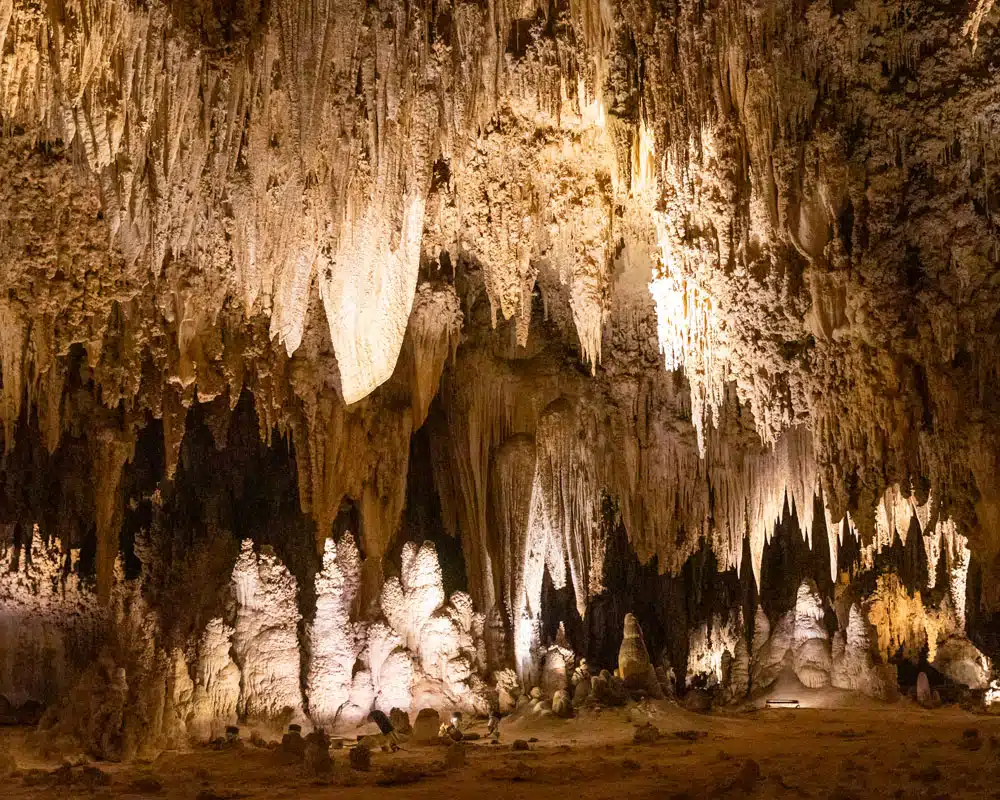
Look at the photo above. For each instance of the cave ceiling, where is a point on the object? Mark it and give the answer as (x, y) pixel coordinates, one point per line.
(702, 257)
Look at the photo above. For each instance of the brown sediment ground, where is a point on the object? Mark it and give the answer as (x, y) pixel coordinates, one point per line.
(866, 751)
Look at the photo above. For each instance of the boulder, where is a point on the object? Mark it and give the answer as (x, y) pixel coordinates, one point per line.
(554, 675)
(698, 700)
(646, 734)
(455, 756)
(7, 764)
(8, 713)
(400, 722)
(360, 758)
(749, 774)
(562, 705)
(317, 757)
(427, 727)
(293, 746)
(961, 660)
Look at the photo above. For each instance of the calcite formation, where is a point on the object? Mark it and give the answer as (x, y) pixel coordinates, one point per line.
(345, 338)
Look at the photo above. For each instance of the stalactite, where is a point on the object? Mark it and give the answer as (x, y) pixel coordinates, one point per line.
(957, 557)
(434, 330)
(13, 339)
(111, 450)
(511, 481)
(568, 481)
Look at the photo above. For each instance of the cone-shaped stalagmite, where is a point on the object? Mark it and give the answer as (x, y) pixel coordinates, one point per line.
(634, 665)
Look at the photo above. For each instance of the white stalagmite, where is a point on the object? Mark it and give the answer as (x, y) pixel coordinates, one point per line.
(811, 657)
(853, 665)
(444, 639)
(265, 639)
(390, 667)
(334, 640)
(410, 600)
(709, 643)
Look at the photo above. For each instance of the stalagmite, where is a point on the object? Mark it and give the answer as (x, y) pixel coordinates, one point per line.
(111, 450)
(265, 638)
(634, 666)
(710, 645)
(334, 640)
(853, 665)
(811, 657)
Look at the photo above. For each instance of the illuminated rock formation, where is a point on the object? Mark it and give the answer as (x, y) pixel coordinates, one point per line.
(853, 665)
(334, 639)
(216, 690)
(265, 637)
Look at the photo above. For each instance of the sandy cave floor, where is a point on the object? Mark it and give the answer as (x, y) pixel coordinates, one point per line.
(862, 752)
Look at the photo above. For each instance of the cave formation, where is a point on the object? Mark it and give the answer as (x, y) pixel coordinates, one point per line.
(374, 355)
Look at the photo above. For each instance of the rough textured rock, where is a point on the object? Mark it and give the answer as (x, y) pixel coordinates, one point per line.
(400, 722)
(335, 641)
(854, 666)
(426, 726)
(562, 704)
(961, 660)
(265, 637)
(926, 696)
(811, 658)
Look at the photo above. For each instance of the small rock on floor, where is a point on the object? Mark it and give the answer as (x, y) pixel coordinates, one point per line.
(646, 734)
(455, 756)
(361, 758)
(748, 775)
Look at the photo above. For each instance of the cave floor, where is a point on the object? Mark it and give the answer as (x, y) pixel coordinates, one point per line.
(862, 752)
